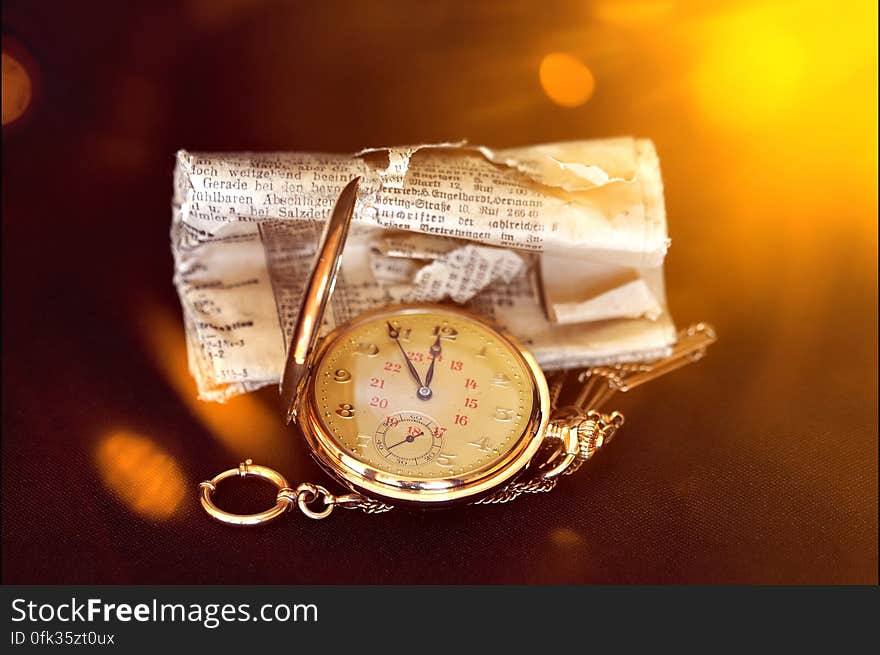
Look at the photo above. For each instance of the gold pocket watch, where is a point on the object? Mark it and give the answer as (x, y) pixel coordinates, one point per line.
(427, 405)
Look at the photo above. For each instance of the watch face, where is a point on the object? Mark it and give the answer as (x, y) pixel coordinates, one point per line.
(425, 398)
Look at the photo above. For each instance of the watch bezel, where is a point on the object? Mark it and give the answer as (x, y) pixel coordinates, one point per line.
(392, 487)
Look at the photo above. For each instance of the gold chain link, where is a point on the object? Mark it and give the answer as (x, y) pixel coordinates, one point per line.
(313, 500)
(591, 430)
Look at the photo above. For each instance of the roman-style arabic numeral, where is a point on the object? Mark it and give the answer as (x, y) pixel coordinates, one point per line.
(345, 410)
(445, 332)
(368, 349)
(502, 414)
(444, 460)
(403, 334)
(363, 442)
(500, 380)
(482, 444)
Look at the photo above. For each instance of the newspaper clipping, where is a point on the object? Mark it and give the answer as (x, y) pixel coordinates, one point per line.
(560, 244)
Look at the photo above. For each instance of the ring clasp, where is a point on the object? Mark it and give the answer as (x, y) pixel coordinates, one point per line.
(248, 469)
(307, 493)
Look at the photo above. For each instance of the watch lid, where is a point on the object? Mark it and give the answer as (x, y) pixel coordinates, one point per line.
(319, 288)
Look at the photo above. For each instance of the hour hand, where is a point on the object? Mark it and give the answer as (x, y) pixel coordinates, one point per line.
(425, 392)
(394, 333)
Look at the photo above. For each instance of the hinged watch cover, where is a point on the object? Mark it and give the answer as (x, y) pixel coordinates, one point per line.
(319, 288)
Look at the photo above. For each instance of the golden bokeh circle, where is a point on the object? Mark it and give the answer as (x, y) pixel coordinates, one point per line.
(566, 80)
(17, 89)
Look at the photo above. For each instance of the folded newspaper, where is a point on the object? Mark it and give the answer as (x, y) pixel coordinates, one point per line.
(561, 244)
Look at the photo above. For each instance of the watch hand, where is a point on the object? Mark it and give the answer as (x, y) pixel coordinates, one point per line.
(394, 334)
(435, 352)
(409, 439)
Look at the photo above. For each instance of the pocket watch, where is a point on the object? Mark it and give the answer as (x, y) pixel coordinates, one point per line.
(429, 405)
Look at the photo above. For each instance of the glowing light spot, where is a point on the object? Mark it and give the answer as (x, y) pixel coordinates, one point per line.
(142, 475)
(243, 424)
(566, 80)
(17, 89)
(751, 72)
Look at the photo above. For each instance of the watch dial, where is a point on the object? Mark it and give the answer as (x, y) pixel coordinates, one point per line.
(424, 394)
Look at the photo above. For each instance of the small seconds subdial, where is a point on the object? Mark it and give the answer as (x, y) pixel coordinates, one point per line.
(408, 438)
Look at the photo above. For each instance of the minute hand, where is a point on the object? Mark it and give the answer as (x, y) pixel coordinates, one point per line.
(394, 334)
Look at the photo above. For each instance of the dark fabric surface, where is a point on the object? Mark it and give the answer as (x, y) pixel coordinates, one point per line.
(758, 465)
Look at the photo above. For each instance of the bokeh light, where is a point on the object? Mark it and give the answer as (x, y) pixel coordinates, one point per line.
(789, 90)
(141, 474)
(243, 424)
(751, 72)
(566, 80)
(17, 89)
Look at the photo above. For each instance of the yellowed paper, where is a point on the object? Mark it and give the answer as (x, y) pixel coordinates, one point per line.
(450, 221)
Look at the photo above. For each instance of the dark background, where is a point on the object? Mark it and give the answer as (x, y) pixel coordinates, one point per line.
(758, 465)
